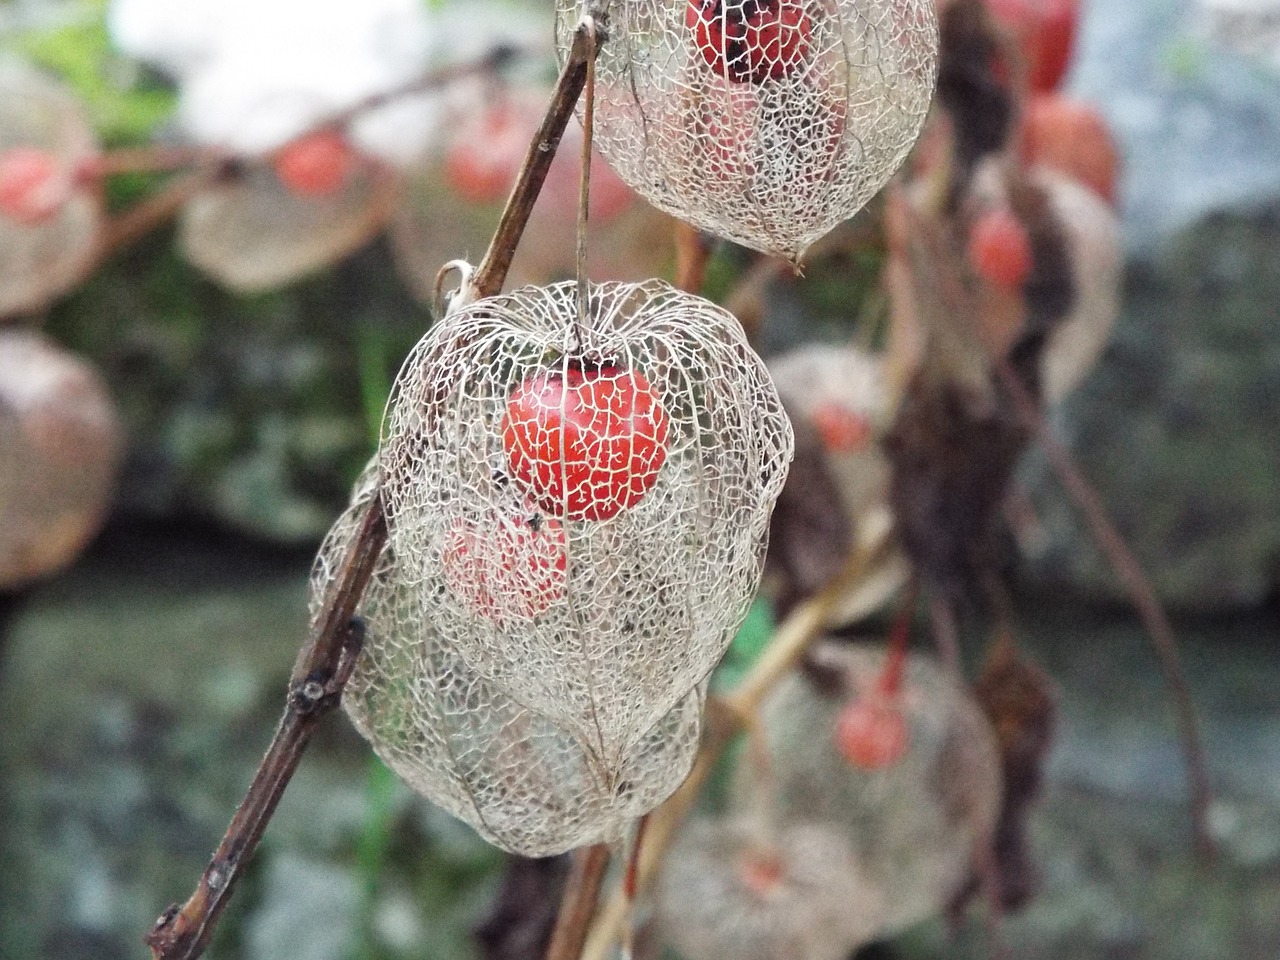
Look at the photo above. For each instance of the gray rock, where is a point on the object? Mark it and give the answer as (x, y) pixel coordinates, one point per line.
(1179, 426)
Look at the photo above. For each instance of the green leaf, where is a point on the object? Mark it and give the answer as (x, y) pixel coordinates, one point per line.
(125, 103)
(752, 638)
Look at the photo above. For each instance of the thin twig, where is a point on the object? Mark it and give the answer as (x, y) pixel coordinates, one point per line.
(212, 166)
(156, 210)
(492, 271)
(1144, 598)
(149, 159)
(578, 905)
(323, 667)
(327, 659)
(693, 252)
(584, 185)
(726, 716)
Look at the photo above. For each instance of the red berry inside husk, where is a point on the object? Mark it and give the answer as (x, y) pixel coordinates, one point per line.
(871, 732)
(761, 872)
(841, 430)
(506, 567)
(586, 443)
(316, 165)
(32, 188)
(1000, 250)
(484, 159)
(750, 41)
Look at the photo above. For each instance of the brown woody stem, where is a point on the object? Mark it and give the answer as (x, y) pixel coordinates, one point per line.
(578, 905)
(492, 271)
(328, 658)
(1143, 595)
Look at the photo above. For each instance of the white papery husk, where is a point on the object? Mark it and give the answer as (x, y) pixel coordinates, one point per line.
(60, 448)
(772, 165)
(821, 907)
(41, 261)
(523, 783)
(254, 234)
(918, 826)
(650, 597)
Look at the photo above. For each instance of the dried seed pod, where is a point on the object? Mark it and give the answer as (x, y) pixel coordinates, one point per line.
(48, 229)
(60, 446)
(765, 121)
(255, 233)
(726, 892)
(843, 394)
(613, 482)
(916, 825)
(843, 391)
(523, 783)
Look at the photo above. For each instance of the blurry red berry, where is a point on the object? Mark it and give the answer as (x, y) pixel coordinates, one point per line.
(1046, 31)
(316, 165)
(871, 733)
(842, 430)
(506, 567)
(761, 872)
(32, 188)
(485, 156)
(750, 40)
(1072, 138)
(586, 444)
(1000, 250)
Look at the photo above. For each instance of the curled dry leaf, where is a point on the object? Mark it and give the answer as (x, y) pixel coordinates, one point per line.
(956, 438)
(1018, 699)
(518, 924)
(970, 86)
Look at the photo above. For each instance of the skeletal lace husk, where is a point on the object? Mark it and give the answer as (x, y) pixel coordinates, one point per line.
(772, 164)
(549, 702)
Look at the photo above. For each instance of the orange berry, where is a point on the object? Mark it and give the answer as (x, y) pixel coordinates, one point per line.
(1000, 250)
(588, 444)
(32, 188)
(1072, 138)
(316, 165)
(841, 430)
(871, 733)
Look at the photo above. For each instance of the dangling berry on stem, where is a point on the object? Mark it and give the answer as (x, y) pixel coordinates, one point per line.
(1000, 250)
(841, 429)
(588, 443)
(750, 40)
(871, 732)
(32, 187)
(316, 165)
(506, 568)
